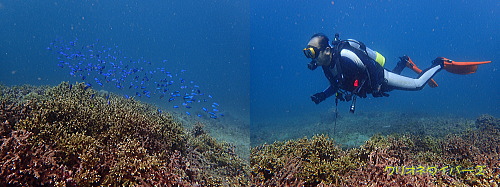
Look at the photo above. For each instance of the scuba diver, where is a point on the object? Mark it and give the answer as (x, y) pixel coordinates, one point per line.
(355, 70)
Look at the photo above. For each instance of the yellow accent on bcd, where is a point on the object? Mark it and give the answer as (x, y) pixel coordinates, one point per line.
(380, 59)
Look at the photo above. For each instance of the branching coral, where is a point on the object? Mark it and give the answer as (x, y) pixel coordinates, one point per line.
(319, 158)
(23, 163)
(467, 159)
(71, 135)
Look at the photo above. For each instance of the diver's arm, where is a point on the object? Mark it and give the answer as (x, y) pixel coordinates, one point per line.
(321, 96)
(330, 91)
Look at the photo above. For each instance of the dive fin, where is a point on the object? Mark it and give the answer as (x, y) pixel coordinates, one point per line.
(410, 64)
(462, 68)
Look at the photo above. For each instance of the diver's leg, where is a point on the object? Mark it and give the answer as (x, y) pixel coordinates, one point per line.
(400, 65)
(405, 83)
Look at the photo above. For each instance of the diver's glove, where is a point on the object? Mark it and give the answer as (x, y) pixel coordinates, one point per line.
(318, 97)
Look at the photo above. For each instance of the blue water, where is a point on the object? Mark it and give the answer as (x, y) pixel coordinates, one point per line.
(247, 54)
(206, 43)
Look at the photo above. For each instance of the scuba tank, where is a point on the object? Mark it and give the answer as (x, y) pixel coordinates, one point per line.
(379, 58)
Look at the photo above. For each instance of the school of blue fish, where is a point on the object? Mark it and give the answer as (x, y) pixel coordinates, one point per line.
(107, 67)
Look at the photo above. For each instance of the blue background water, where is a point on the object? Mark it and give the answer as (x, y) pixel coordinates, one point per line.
(460, 30)
(209, 39)
(247, 54)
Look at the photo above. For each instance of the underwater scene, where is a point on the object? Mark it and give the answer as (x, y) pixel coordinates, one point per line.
(124, 93)
(225, 93)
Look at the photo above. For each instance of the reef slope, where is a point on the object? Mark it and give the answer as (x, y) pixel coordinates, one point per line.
(72, 135)
(471, 158)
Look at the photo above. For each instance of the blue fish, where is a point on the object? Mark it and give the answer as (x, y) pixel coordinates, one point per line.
(108, 66)
(88, 85)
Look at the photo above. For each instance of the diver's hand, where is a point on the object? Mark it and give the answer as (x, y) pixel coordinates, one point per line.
(318, 97)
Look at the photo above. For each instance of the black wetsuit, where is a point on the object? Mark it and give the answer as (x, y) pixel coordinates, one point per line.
(356, 72)
(353, 71)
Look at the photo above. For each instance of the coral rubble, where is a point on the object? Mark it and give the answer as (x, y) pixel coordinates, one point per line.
(72, 135)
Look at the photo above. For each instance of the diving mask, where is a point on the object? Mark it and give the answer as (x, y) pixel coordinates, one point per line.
(311, 52)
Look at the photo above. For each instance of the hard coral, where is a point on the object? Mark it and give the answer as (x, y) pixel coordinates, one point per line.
(71, 135)
(319, 159)
(468, 159)
(488, 122)
(24, 164)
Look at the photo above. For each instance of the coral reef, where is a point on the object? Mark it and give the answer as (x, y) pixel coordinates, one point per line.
(72, 135)
(302, 161)
(471, 158)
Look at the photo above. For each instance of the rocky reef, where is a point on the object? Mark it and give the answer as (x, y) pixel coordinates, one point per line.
(470, 158)
(73, 135)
